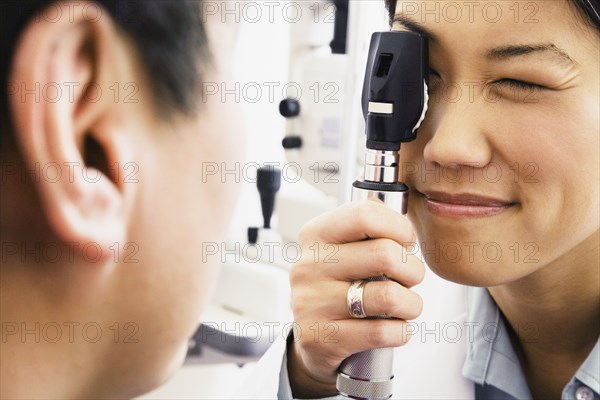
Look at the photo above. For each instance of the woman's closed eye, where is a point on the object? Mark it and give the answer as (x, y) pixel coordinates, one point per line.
(517, 84)
(435, 80)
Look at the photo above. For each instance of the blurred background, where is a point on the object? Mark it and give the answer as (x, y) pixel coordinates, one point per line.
(299, 68)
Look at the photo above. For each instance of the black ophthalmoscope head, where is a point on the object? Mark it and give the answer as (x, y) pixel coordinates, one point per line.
(394, 98)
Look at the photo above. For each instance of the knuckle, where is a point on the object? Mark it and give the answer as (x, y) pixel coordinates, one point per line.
(297, 275)
(309, 256)
(378, 334)
(363, 213)
(388, 297)
(419, 305)
(336, 358)
(419, 272)
(331, 362)
(320, 358)
(384, 254)
(297, 302)
(417, 308)
(307, 233)
(309, 345)
(301, 301)
(405, 330)
(415, 269)
(412, 307)
(411, 236)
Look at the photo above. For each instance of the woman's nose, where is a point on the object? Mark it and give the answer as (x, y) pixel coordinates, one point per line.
(457, 135)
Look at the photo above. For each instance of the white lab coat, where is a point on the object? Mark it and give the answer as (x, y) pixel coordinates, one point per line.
(428, 367)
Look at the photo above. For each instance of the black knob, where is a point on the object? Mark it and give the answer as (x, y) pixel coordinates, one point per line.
(340, 27)
(289, 108)
(252, 234)
(291, 142)
(268, 182)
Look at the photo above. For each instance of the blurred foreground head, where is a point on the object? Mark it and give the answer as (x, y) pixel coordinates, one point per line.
(104, 136)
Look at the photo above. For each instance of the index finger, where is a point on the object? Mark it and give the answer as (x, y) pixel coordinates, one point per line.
(352, 222)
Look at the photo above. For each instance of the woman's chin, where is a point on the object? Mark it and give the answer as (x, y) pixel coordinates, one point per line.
(470, 274)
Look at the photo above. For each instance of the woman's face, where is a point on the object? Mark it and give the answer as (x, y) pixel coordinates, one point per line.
(505, 168)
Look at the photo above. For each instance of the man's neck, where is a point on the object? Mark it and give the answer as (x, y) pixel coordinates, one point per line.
(45, 351)
(554, 314)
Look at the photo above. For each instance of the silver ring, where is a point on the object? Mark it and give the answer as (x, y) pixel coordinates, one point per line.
(355, 299)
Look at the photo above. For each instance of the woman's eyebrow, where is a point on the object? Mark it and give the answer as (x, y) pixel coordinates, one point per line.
(507, 52)
(496, 53)
(413, 26)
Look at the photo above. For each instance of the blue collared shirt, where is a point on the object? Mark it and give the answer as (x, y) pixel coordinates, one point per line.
(491, 362)
(494, 366)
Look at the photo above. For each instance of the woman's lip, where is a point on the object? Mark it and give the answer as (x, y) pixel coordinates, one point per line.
(464, 204)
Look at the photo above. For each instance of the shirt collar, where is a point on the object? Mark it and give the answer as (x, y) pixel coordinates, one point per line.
(589, 372)
(491, 359)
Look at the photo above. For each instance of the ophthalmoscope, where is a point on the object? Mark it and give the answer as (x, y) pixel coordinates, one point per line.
(394, 102)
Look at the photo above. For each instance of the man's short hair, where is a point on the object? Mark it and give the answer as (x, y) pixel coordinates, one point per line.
(169, 36)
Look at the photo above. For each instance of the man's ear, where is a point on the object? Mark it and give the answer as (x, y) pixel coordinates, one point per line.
(61, 111)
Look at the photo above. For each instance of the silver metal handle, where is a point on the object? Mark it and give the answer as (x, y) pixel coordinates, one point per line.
(369, 374)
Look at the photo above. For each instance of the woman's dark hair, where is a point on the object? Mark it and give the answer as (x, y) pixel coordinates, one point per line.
(168, 34)
(589, 10)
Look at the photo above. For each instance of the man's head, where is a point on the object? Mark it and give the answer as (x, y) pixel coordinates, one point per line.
(104, 209)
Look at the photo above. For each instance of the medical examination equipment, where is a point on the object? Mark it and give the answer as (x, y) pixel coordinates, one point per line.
(253, 291)
(394, 103)
(314, 115)
(253, 288)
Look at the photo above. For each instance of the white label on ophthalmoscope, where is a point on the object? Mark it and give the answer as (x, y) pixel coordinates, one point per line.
(381, 108)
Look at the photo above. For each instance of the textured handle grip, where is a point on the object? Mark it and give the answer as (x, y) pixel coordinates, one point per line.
(369, 374)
